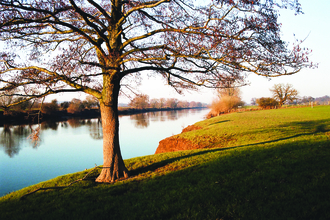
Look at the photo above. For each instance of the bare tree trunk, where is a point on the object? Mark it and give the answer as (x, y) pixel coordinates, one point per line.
(113, 164)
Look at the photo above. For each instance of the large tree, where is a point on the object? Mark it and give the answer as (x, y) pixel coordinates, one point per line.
(284, 92)
(56, 46)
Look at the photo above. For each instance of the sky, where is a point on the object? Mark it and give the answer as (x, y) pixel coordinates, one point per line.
(313, 24)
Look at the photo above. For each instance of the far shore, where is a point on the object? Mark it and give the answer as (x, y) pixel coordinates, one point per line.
(35, 116)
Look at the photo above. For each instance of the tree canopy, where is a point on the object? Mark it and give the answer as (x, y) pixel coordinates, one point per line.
(70, 42)
(55, 46)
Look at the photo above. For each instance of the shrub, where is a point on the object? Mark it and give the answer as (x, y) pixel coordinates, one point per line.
(75, 106)
(225, 105)
(49, 108)
(267, 103)
(228, 100)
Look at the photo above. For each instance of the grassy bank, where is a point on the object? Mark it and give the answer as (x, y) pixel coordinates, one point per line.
(270, 164)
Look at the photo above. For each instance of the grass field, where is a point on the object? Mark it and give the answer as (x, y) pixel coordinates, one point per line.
(271, 164)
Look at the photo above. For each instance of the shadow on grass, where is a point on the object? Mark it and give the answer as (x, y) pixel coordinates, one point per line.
(219, 122)
(283, 181)
(313, 128)
(288, 180)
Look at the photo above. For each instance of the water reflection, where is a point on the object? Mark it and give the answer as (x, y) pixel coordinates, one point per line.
(143, 120)
(64, 124)
(95, 129)
(75, 123)
(140, 120)
(76, 144)
(11, 138)
(53, 125)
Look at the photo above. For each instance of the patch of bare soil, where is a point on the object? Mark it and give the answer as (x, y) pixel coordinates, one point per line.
(175, 143)
(171, 144)
(191, 128)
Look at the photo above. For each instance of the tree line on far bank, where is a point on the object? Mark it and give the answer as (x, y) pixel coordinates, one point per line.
(76, 106)
(72, 107)
(142, 101)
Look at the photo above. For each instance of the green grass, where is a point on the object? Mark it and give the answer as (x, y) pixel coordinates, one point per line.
(244, 128)
(270, 164)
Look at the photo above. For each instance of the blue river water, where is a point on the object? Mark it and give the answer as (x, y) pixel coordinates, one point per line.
(74, 145)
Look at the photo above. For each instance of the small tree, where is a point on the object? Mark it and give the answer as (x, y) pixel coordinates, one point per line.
(50, 108)
(91, 102)
(307, 99)
(183, 104)
(267, 103)
(228, 99)
(253, 101)
(154, 103)
(65, 105)
(162, 102)
(75, 106)
(283, 93)
(172, 103)
(139, 102)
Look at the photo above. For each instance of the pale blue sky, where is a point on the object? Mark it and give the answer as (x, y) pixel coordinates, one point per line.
(309, 82)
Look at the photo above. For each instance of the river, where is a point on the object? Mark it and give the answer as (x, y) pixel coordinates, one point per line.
(76, 144)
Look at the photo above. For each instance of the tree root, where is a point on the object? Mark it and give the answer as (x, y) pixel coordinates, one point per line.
(58, 187)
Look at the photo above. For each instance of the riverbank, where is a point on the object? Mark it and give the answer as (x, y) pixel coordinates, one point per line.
(237, 132)
(35, 116)
(275, 165)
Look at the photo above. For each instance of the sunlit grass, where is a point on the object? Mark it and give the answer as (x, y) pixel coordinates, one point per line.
(276, 166)
(259, 126)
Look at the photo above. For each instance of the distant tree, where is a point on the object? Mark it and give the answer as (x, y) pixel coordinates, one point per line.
(172, 103)
(75, 106)
(162, 102)
(307, 99)
(50, 108)
(199, 104)
(91, 45)
(283, 93)
(139, 102)
(91, 102)
(65, 105)
(267, 103)
(183, 104)
(254, 101)
(192, 104)
(323, 100)
(154, 103)
(228, 99)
